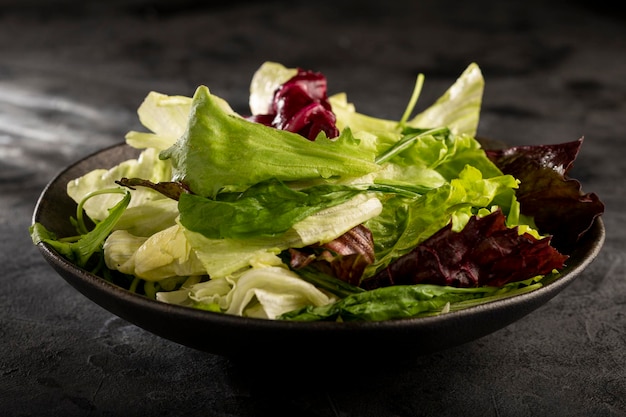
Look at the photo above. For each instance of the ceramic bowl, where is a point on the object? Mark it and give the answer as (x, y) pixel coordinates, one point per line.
(234, 336)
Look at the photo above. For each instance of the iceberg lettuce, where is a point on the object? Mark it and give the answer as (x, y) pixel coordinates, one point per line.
(166, 118)
(266, 292)
(147, 165)
(164, 254)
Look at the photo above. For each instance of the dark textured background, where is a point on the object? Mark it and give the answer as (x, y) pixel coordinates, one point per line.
(72, 75)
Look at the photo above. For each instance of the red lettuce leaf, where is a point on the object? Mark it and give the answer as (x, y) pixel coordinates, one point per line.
(344, 258)
(484, 252)
(556, 202)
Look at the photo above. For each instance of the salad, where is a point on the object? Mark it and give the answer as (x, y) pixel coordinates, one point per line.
(307, 210)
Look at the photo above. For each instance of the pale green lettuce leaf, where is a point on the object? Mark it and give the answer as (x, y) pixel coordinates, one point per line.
(221, 257)
(433, 160)
(461, 150)
(409, 176)
(264, 292)
(163, 255)
(389, 131)
(457, 109)
(272, 291)
(146, 166)
(330, 223)
(165, 116)
(212, 295)
(150, 217)
(265, 82)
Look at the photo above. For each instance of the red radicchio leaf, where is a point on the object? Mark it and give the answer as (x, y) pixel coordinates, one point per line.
(301, 106)
(484, 252)
(556, 202)
(344, 258)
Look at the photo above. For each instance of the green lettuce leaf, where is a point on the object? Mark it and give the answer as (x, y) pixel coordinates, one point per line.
(221, 151)
(269, 208)
(404, 222)
(458, 109)
(82, 249)
(225, 256)
(405, 301)
(425, 160)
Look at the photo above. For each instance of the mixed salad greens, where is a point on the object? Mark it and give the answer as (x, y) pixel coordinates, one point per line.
(307, 210)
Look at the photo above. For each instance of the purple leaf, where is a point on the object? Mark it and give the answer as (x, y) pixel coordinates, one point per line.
(556, 202)
(484, 252)
(301, 106)
(344, 258)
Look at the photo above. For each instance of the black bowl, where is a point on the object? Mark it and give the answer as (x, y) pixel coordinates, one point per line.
(234, 336)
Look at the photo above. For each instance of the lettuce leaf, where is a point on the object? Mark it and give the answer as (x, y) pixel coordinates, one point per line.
(221, 151)
(148, 218)
(81, 250)
(164, 254)
(404, 223)
(546, 193)
(433, 160)
(458, 109)
(265, 292)
(408, 301)
(485, 252)
(225, 256)
(165, 116)
(266, 209)
(147, 166)
(265, 81)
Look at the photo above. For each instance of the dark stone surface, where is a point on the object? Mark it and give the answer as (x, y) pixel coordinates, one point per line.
(71, 77)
